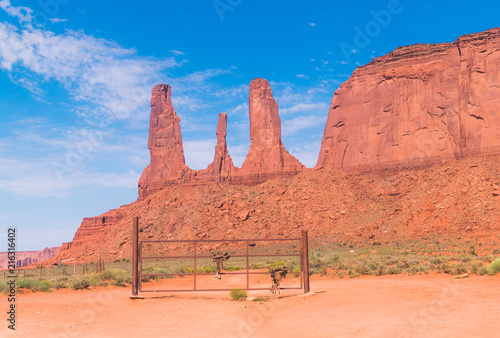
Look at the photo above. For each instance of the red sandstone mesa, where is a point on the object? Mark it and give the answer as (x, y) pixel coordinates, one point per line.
(418, 104)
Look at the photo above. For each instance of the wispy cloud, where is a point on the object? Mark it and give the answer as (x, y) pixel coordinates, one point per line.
(302, 76)
(97, 71)
(312, 24)
(177, 52)
(296, 124)
(319, 107)
(57, 20)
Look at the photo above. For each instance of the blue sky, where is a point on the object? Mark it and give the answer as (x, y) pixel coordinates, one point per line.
(76, 77)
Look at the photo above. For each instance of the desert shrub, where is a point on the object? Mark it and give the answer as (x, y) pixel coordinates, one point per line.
(478, 268)
(210, 269)
(4, 288)
(353, 274)
(392, 270)
(260, 299)
(459, 269)
(436, 261)
(80, 284)
(494, 267)
(465, 259)
(317, 264)
(391, 261)
(45, 286)
(118, 277)
(29, 283)
(237, 294)
(362, 269)
(60, 283)
(278, 264)
(446, 268)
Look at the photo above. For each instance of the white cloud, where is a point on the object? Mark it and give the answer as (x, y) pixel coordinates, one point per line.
(199, 153)
(312, 24)
(111, 78)
(57, 20)
(302, 76)
(177, 52)
(240, 110)
(37, 178)
(306, 153)
(298, 123)
(22, 13)
(238, 153)
(305, 107)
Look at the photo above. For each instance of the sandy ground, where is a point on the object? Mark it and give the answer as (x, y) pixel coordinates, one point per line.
(389, 306)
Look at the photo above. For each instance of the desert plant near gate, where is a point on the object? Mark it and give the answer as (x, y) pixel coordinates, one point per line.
(237, 294)
(494, 267)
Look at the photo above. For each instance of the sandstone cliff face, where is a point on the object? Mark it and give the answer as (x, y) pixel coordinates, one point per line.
(167, 164)
(267, 156)
(416, 105)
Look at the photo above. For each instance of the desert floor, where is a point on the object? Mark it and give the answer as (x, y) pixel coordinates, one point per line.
(387, 306)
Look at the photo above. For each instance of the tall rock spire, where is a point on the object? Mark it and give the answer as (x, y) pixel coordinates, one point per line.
(222, 167)
(267, 156)
(167, 164)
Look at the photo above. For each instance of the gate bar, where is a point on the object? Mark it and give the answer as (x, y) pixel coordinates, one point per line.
(305, 259)
(135, 255)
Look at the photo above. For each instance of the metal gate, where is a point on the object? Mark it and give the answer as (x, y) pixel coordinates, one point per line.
(138, 258)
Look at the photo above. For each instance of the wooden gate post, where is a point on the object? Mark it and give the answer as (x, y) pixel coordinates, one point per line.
(135, 256)
(305, 260)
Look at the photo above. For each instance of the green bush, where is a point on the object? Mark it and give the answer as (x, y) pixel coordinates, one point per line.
(29, 283)
(80, 284)
(210, 269)
(116, 277)
(45, 286)
(237, 294)
(494, 267)
(60, 283)
(4, 288)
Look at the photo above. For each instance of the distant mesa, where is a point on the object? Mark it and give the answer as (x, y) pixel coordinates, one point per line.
(267, 156)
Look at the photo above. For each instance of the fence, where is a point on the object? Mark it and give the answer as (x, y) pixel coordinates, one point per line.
(138, 258)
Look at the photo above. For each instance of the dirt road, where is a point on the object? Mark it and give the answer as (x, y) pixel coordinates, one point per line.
(389, 306)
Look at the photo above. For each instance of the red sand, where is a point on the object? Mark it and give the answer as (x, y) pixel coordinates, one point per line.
(401, 306)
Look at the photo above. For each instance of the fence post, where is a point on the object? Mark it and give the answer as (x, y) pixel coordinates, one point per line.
(135, 255)
(305, 260)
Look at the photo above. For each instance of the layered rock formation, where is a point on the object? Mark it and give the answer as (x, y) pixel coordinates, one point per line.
(38, 257)
(417, 105)
(267, 157)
